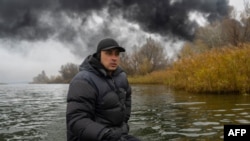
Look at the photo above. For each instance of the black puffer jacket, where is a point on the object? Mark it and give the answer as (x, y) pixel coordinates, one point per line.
(97, 102)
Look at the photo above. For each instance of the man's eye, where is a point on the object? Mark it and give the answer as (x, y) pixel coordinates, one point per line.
(117, 53)
(108, 52)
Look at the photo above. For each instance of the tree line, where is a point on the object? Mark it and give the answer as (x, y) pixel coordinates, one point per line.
(145, 59)
(233, 31)
(66, 73)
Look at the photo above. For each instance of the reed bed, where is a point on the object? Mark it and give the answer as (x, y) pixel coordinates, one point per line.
(221, 70)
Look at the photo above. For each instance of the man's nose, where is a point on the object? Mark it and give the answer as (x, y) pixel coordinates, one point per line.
(114, 57)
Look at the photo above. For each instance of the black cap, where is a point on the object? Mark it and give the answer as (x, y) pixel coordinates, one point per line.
(107, 44)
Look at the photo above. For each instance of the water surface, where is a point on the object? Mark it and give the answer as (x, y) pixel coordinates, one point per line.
(37, 113)
(161, 114)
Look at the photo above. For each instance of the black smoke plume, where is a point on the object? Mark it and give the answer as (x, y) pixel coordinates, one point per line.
(23, 19)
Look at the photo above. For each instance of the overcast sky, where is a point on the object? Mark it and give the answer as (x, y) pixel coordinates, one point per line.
(50, 34)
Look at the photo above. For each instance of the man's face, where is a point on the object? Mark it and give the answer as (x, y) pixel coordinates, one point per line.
(110, 59)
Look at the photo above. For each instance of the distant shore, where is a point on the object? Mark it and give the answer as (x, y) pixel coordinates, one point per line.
(21, 82)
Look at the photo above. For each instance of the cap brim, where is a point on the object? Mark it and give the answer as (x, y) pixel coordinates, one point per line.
(121, 49)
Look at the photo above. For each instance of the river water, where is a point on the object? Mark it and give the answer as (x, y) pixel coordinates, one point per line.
(31, 112)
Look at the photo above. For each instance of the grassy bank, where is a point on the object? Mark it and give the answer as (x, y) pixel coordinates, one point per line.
(216, 71)
(158, 77)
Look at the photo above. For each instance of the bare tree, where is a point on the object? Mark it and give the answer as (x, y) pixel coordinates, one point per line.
(245, 20)
(211, 35)
(145, 59)
(68, 71)
(41, 78)
(229, 31)
(153, 54)
(232, 31)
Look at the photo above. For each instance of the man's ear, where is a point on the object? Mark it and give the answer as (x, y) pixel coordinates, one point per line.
(98, 56)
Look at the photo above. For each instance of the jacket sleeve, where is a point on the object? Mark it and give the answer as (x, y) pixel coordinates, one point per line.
(128, 104)
(81, 112)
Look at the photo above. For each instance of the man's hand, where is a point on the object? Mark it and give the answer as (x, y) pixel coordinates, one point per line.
(113, 134)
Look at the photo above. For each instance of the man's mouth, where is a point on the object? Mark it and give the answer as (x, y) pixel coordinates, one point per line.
(113, 64)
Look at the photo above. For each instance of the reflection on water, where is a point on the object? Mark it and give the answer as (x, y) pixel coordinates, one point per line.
(37, 113)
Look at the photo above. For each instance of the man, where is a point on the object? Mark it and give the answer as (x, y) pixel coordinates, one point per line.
(99, 98)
